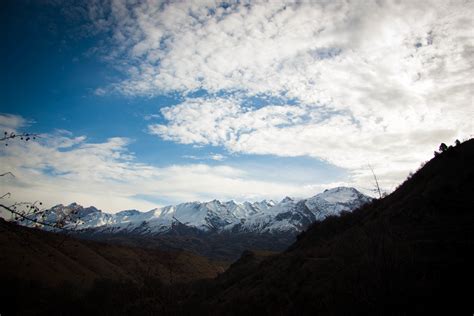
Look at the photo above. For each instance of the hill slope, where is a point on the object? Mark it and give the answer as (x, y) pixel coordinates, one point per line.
(41, 272)
(409, 253)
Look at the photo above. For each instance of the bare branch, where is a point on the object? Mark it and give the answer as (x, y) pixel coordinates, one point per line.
(22, 136)
(34, 220)
(8, 194)
(26, 210)
(376, 181)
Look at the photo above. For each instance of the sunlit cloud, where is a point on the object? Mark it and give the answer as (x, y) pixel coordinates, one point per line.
(62, 168)
(215, 157)
(10, 122)
(373, 82)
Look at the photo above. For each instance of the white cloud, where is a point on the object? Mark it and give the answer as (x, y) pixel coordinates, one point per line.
(307, 50)
(380, 82)
(307, 130)
(215, 157)
(61, 168)
(11, 123)
(100, 91)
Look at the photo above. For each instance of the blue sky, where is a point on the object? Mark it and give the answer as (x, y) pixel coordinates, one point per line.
(142, 104)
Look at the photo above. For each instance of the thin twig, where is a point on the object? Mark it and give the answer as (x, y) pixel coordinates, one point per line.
(376, 181)
(34, 220)
(5, 195)
(26, 136)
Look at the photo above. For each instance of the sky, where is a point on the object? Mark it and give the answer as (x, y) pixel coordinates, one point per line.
(140, 104)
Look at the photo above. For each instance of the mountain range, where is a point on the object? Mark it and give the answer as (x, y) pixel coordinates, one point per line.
(287, 216)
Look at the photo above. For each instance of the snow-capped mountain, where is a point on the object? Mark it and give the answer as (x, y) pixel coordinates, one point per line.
(295, 215)
(289, 215)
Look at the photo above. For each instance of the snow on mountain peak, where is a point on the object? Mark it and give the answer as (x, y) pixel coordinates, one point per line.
(339, 195)
(264, 216)
(295, 215)
(287, 199)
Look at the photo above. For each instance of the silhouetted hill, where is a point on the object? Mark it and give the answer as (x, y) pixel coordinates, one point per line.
(42, 272)
(408, 253)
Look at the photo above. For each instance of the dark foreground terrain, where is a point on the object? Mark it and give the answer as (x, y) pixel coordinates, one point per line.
(48, 273)
(410, 253)
(217, 246)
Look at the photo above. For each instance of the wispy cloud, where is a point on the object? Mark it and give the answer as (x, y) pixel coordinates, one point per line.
(62, 168)
(215, 157)
(306, 130)
(11, 122)
(380, 82)
(306, 50)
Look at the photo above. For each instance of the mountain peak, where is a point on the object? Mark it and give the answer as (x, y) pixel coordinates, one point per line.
(128, 213)
(264, 216)
(287, 199)
(339, 194)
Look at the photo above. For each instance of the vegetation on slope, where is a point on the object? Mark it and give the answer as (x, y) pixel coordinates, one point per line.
(408, 253)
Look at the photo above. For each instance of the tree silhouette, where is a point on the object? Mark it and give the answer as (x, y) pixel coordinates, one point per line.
(443, 147)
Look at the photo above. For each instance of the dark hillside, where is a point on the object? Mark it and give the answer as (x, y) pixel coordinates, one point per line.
(408, 253)
(42, 272)
(226, 246)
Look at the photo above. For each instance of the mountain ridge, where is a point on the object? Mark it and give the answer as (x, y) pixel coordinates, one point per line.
(289, 215)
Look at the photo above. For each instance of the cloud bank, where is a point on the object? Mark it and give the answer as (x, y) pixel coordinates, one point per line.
(379, 82)
(61, 168)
